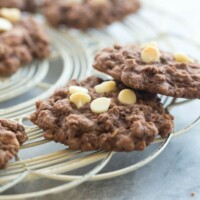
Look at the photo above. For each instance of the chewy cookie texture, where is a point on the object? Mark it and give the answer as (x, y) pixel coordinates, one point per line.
(12, 135)
(84, 14)
(95, 114)
(150, 69)
(21, 41)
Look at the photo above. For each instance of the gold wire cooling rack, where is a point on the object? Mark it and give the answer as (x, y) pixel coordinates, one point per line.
(72, 57)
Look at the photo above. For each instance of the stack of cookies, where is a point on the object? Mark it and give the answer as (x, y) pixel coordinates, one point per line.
(123, 114)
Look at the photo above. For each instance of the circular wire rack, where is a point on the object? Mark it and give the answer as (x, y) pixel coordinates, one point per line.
(72, 57)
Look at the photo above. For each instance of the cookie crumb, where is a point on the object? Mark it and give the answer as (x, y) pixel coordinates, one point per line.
(193, 194)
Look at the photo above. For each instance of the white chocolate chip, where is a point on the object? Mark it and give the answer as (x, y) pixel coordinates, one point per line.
(5, 25)
(179, 57)
(11, 14)
(127, 96)
(80, 99)
(100, 105)
(75, 89)
(150, 54)
(107, 86)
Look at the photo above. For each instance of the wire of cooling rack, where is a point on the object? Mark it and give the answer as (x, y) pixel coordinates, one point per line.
(75, 51)
(18, 85)
(58, 188)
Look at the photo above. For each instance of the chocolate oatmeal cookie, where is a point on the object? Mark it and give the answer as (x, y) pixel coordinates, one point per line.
(95, 114)
(147, 68)
(12, 135)
(21, 41)
(84, 14)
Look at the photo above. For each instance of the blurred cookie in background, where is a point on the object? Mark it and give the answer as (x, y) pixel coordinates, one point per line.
(22, 39)
(84, 14)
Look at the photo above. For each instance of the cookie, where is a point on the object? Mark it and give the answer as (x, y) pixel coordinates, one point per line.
(24, 5)
(12, 135)
(94, 114)
(84, 14)
(150, 69)
(21, 41)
